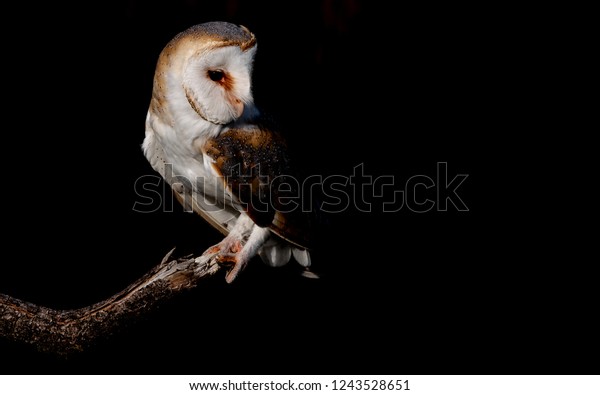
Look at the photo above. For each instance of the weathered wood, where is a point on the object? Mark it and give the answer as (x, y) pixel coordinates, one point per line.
(65, 332)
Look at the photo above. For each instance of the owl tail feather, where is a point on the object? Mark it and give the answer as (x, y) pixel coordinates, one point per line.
(276, 253)
(301, 256)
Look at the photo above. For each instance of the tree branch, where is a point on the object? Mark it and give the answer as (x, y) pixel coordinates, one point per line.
(65, 332)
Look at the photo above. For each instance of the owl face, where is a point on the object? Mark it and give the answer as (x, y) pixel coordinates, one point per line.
(202, 81)
(217, 83)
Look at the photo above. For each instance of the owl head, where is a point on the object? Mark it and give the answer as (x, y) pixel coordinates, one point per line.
(206, 71)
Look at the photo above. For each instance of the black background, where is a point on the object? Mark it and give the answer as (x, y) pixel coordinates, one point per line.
(350, 83)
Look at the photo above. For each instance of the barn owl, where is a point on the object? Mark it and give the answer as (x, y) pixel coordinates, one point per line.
(207, 139)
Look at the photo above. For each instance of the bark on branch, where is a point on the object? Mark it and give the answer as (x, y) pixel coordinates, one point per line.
(64, 332)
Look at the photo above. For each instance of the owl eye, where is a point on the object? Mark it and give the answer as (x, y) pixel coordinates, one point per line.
(216, 75)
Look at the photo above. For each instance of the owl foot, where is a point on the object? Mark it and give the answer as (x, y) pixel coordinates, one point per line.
(236, 261)
(238, 265)
(228, 253)
(239, 246)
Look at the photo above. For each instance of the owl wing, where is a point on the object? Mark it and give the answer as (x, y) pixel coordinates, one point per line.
(253, 163)
(221, 216)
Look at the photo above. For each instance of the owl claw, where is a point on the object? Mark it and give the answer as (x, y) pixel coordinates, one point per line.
(228, 254)
(234, 271)
(234, 261)
(226, 259)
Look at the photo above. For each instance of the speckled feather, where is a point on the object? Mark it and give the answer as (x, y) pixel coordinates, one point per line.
(256, 169)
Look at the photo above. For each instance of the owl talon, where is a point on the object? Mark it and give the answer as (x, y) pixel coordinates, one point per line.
(234, 271)
(226, 259)
(234, 262)
(228, 254)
